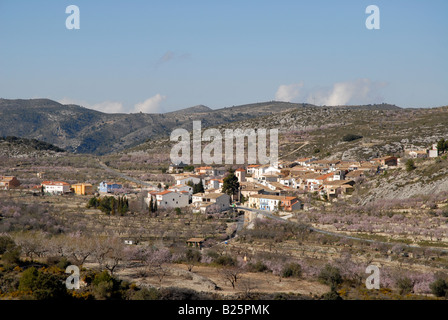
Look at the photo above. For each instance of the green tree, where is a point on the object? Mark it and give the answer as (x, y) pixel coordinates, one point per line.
(93, 203)
(151, 205)
(439, 288)
(442, 145)
(230, 184)
(410, 165)
(198, 187)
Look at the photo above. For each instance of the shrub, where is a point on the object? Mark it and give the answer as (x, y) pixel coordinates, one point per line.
(410, 165)
(11, 258)
(292, 270)
(439, 288)
(332, 295)
(351, 137)
(225, 261)
(60, 262)
(331, 276)
(405, 285)
(258, 267)
(145, 294)
(44, 286)
(6, 243)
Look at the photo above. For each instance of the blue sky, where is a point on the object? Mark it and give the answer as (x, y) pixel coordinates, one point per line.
(159, 56)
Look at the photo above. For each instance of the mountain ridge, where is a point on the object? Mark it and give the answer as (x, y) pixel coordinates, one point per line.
(82, 130)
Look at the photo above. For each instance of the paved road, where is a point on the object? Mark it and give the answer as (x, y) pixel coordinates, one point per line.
(269, 215)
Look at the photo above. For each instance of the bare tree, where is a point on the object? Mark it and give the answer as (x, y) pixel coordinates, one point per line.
(231, 275)
(114, 255)
(156, 260)
(247, 286)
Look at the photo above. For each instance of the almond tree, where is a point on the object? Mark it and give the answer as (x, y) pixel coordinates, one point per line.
(115, 254)
(156, 260)
(231, 275)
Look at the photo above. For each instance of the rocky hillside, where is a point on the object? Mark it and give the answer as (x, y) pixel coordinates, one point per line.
(82, 130)
(323, 131)
(14, 147)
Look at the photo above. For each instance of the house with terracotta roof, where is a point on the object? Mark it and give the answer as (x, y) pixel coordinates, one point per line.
(290, 204)
(205, 171)
(333, 189)
(56, 187)
(251, 168)
(240, 173)
(214, 184)
(274, 203)
(8, 182)
(386, 161)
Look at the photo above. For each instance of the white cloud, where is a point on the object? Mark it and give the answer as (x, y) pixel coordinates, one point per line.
(360, 91)
(288, 92)
(151, 105)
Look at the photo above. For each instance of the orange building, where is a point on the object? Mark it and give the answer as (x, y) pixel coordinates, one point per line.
(82, 189)
(8, 182)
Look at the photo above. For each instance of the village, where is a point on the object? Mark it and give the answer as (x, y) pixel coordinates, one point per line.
(273, 188)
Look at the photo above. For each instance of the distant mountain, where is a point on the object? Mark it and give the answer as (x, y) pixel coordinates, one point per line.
(196, 109)
(78, 129)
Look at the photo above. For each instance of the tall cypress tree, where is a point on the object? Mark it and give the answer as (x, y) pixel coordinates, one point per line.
(151, 206)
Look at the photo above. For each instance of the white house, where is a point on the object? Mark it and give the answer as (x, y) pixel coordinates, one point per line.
(211, 202)
(181, 188)
(56, 187)
(214, 184)
(434, 152)
(264, 169)
(170, 199)
(185, 178)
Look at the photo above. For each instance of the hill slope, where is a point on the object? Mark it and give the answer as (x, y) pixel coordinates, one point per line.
(82, 130)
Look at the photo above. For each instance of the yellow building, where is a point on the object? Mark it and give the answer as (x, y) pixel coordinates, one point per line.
(82, 189)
